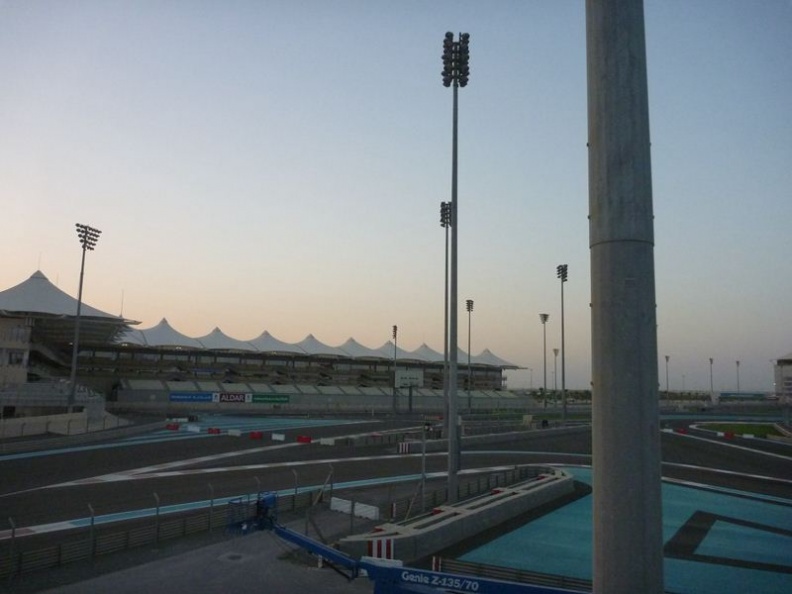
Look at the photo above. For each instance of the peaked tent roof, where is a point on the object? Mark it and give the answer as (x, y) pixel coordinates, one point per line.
(386, 352)
(38, 295)
(426, 353)
(54, 312)
(267, 343)
(217, 340)
(354, 349)
(487, 357)
(312, 346)
(163, 335)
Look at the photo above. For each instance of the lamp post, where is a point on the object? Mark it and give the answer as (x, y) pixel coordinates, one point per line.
(543, 318)
(667, 358)
(712, 391)
(555, 373)
(88, 237)
(395, 348)
(561, 273)
(469, 305)
(445, 223)
(455, 74)
(738, 376)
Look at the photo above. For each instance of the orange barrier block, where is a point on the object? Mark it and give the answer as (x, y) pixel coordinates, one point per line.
(304, 439)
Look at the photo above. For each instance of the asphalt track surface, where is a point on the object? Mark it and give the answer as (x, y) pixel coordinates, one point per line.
(59, 486)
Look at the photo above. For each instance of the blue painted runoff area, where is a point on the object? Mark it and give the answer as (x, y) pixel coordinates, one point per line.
(742, 541)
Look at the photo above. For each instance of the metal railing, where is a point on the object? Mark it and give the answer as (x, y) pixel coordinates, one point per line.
(20, 555)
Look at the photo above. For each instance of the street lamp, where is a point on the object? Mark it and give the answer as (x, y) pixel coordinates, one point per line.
(561, 273)
(543, 318)
(455, 74)
(88, 237)
(667, 358)
(555, 372)
(738, 376)
(445, 223)
(395, 347)
(712, 391)
(469, 305)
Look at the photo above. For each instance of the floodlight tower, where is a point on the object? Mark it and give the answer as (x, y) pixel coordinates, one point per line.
(456, 70)
(561, 272)
(445, 223)
(469, 306)
(395, 348)
(88, 237)
(543, 318)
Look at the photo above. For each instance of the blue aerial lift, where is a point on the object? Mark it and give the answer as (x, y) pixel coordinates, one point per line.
(387, 578)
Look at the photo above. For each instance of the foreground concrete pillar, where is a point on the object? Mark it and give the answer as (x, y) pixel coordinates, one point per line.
(628, 554)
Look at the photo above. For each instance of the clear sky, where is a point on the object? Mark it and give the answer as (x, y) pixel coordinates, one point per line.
(279, 165)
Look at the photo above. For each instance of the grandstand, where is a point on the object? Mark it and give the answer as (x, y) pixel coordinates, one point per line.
(160, 364)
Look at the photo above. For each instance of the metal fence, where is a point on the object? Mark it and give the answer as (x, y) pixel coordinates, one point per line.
(18, 556)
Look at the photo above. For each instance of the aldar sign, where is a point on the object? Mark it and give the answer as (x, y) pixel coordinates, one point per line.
(232, 397)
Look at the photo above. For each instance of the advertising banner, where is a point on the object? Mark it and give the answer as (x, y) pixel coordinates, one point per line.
(232, 397)
(190, 397)
(271, 398)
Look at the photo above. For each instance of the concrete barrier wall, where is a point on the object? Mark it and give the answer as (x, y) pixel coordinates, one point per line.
(63, 424)
(450, 525)
(81, 439)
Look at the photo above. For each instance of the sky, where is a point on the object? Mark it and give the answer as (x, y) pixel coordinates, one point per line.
(279, 165)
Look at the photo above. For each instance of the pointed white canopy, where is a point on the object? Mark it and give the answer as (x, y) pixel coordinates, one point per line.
(312, 346)
(54, 311)
(428, 354)
(354, 349)
(163, 335)
(487, 357)
(217, 340)
(386, 352)
(38, 295)
(267, 343)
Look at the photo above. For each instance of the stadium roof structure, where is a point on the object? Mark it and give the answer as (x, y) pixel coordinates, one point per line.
(53, 312)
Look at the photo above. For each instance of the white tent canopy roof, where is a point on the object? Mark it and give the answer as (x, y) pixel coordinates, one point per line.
(37, 295)
(217, 340)
(267, 343)
(163, 335)
(354, 349)
(312, 346)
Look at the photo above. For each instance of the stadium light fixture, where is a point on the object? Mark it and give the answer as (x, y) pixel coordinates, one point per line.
(456, 72)
(88, 237)
(562, 273)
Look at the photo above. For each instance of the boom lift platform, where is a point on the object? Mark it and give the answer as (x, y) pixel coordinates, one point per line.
(389, 578)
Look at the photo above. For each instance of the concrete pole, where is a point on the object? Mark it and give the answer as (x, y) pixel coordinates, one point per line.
(628, 544)
(453, 341)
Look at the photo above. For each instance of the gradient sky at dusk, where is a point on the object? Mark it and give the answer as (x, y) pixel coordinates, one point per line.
(279, 165)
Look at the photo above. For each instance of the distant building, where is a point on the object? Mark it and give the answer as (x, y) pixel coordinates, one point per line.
(783, 378)
(37, 330)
